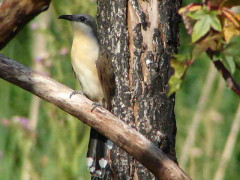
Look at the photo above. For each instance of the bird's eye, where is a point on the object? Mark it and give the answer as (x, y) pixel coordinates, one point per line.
(82, 19)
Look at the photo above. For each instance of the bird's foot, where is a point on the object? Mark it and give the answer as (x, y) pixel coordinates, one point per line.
(95, 105)
(76, 92)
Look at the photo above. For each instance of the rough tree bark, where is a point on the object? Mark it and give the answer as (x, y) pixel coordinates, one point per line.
(141, 36)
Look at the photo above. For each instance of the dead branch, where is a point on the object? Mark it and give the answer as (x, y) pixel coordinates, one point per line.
(15, 14)
(80, 107)
(231, 83)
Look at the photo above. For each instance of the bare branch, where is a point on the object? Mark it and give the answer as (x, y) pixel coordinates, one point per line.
(231, 83)
(15, 14)
(80, 107)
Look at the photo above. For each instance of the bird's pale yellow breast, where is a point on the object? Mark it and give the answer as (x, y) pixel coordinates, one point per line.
(84, 56)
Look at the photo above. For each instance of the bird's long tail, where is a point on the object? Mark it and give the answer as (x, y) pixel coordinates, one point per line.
(97, 153)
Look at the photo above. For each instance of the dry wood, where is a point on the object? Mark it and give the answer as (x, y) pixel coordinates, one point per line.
(15, 14)
(79, 106)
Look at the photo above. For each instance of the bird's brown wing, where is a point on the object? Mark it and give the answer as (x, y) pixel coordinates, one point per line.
(106, 76)
(98, 146)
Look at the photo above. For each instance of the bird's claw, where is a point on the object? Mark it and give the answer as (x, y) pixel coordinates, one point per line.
(76, 92)
(95, 105)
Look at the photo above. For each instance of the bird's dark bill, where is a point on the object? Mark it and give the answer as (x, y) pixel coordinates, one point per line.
(67, 17)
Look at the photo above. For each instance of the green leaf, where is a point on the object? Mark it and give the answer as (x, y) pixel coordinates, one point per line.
(180, 67)
(205, 20)
(232, 47)
(231, 64)
(181, 58)
(174, 85)
(237, 62)
(196, 15)
(200, 28)
(215, 22)
(228, 63)
(198, 51)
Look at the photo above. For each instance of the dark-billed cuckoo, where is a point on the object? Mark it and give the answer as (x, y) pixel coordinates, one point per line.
(93, 70)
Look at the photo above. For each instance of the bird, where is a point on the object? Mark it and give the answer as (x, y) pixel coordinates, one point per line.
(93, 69)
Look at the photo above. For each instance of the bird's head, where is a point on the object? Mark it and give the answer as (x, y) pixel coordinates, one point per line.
(83, 22)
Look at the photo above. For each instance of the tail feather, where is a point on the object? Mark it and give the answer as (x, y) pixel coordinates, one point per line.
(97, 153)
(102, 151)
(92, 145)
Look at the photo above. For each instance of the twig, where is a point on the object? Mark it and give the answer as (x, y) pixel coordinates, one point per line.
(231, 83)
(79, 106)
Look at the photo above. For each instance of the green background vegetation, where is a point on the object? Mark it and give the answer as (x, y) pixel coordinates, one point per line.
(53, 144)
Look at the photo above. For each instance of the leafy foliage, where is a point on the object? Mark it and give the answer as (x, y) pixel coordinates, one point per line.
(180, 65)
(214, 30)
(204, 21)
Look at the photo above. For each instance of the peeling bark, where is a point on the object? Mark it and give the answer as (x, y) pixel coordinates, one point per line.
(141, 36)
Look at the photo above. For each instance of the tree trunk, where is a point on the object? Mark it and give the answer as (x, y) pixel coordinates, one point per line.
(140, 37)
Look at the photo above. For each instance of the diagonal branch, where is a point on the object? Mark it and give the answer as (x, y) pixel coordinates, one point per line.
(231, 83)
(15, 14)
(80, 107)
